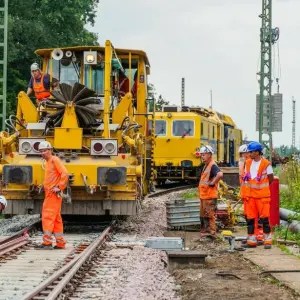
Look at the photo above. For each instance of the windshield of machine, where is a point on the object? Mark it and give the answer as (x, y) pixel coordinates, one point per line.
(183, 128)
(65, 71)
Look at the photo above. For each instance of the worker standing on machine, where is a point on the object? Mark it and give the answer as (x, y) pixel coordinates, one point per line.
(55, 181)
(210, 175)
(258, 177)
(39, 83)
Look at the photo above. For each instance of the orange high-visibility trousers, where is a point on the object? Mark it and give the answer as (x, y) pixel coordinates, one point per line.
(246, 208)
(207, 211)
(260, 207)
(52, 221)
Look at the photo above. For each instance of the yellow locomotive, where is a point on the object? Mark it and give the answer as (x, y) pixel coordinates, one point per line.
(96, 120)
(179, 134)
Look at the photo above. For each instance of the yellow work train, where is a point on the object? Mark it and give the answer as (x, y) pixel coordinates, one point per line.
(179, 134)
(96, 119)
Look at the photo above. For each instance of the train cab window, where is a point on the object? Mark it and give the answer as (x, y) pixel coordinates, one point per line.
(202, 131)
(183, 128)
(160, 128)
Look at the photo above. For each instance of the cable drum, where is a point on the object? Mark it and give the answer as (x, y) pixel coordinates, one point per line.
(78, 95)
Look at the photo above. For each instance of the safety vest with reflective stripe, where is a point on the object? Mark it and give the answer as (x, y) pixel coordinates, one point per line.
(244, 184)
(56, 174)
(206, 191)
(259, 186)
(39, 89)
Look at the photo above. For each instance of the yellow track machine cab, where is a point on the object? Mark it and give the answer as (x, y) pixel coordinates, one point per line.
(179, 134)
(95, 119)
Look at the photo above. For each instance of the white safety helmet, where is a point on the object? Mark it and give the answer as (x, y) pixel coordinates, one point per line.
(34, 67)
(243, 148)
(44, 145)
(3, 201)
(206, 149)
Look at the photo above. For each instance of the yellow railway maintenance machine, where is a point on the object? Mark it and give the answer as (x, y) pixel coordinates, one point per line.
(95, 119)
(179, 134)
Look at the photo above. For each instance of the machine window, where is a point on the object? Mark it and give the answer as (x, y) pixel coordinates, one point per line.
(213, 132)
(160, 128)
(202, 129)
(183, 128)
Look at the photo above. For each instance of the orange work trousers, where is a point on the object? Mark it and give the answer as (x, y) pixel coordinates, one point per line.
(52, 221)
(258, 207)
(257, 231)
(207, 211)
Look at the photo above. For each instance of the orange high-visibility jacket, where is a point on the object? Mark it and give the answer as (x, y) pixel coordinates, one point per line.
(244, 184)
(259, 186)
(206, 191)
(56, 174)
(39, 89)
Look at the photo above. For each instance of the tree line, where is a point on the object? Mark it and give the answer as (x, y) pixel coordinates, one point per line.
(39, 24)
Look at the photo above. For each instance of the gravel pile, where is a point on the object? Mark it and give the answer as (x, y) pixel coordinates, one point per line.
(132, 274)
(16, 223)
(152, 220)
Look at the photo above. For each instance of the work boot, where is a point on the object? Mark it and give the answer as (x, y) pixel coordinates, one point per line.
(248, 246)
(43, 247)
(57, 247)
(268, 246)
(211, 237)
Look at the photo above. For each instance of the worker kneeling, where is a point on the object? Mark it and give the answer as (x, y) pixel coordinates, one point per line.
(258, 176)
(56, 179)
(210, 175)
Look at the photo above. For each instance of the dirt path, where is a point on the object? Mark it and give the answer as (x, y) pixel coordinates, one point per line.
(203, 283)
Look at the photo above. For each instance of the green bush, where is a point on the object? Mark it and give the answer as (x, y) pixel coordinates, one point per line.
(290, 196)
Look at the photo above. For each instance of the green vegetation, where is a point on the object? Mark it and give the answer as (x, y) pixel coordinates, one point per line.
(43, 24)
(286, 150)
(290, 196)
(190, 195)
(284, 233)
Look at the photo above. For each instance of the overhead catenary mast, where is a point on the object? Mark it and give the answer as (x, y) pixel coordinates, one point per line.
(268, 36)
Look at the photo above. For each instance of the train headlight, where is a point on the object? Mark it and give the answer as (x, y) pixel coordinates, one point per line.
(30, 146)
(104, 147)
(98, 147)
(26, 147)
(110, 147)
(36, 146)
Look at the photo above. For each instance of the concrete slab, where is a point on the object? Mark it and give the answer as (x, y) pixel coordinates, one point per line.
(275, 259)
(185, 259)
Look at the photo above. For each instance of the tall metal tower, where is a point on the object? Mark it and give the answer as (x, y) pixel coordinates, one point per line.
(182, 92)
(3, 59)
(294, 124)
(268, 37)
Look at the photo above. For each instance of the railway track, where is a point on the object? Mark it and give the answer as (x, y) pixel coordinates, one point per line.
(81, 271)
(23, 268)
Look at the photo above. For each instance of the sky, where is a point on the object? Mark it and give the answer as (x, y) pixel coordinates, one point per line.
(214, 45)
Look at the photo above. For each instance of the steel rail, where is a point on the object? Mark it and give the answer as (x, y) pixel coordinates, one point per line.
(13, 244)
(20, 233)
(67, 272)
(170, 190)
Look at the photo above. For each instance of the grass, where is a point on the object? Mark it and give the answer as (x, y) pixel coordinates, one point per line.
(282, 233)
(289, 174)
(190, 195)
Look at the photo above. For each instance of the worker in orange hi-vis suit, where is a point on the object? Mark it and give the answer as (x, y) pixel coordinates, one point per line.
(244, 156)
(55, 181)
(259, 176)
